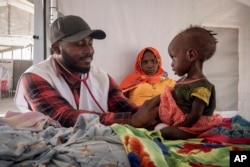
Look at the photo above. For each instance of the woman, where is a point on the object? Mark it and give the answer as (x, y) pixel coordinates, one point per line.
(149, 78)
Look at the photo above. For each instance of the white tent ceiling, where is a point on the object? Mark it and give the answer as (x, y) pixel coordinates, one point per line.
(246, 2)
(17, 24)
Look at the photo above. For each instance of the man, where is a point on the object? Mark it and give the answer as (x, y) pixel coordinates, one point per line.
(66, 85)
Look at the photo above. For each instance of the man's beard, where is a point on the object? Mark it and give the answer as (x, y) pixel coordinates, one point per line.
(70, 64)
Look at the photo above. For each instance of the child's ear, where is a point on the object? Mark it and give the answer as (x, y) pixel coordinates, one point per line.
(192, 54)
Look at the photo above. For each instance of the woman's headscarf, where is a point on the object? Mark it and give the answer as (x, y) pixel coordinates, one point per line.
(139, 76)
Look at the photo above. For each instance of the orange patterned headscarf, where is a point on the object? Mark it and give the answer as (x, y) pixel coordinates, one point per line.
(139, 76)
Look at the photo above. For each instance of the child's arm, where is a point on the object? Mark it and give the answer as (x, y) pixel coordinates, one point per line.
(196, 112)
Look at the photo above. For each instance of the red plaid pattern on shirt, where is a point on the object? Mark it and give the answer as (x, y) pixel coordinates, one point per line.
(42, 97)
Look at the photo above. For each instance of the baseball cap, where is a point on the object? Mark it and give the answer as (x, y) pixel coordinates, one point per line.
(71, 29)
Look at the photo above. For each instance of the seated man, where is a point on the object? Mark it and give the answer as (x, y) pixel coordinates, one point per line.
(66, 85)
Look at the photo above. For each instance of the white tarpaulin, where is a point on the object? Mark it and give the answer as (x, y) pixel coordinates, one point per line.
(17, 24)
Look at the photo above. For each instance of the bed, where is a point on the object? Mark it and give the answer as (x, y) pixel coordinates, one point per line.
(33, 139)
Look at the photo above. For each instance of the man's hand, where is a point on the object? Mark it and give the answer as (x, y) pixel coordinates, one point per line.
(147, 113)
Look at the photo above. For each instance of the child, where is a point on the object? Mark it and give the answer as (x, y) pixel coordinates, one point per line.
(188, 108)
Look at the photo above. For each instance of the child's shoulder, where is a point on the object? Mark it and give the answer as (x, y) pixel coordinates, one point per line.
(203, 82)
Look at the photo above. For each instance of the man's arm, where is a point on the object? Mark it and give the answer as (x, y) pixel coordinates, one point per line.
(42, 97)
(125, 112)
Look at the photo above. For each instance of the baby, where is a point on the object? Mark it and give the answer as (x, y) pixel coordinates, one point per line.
(188, 108)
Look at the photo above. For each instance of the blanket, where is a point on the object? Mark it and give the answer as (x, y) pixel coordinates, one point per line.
(33, 139)
(43, 142)
(212, 148)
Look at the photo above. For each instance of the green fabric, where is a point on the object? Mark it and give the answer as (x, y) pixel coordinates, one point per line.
(140, 141)
(182, 95)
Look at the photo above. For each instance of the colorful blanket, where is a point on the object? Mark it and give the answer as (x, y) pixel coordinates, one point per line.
(212, 148)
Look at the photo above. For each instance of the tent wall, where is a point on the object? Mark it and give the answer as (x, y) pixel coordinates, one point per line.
(19, 66)
(133, 24)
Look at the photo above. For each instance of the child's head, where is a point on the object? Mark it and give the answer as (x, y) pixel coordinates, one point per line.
(194, 44)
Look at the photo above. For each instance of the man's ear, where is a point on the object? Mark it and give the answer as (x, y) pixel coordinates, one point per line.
(55, 48)
(192, 54)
